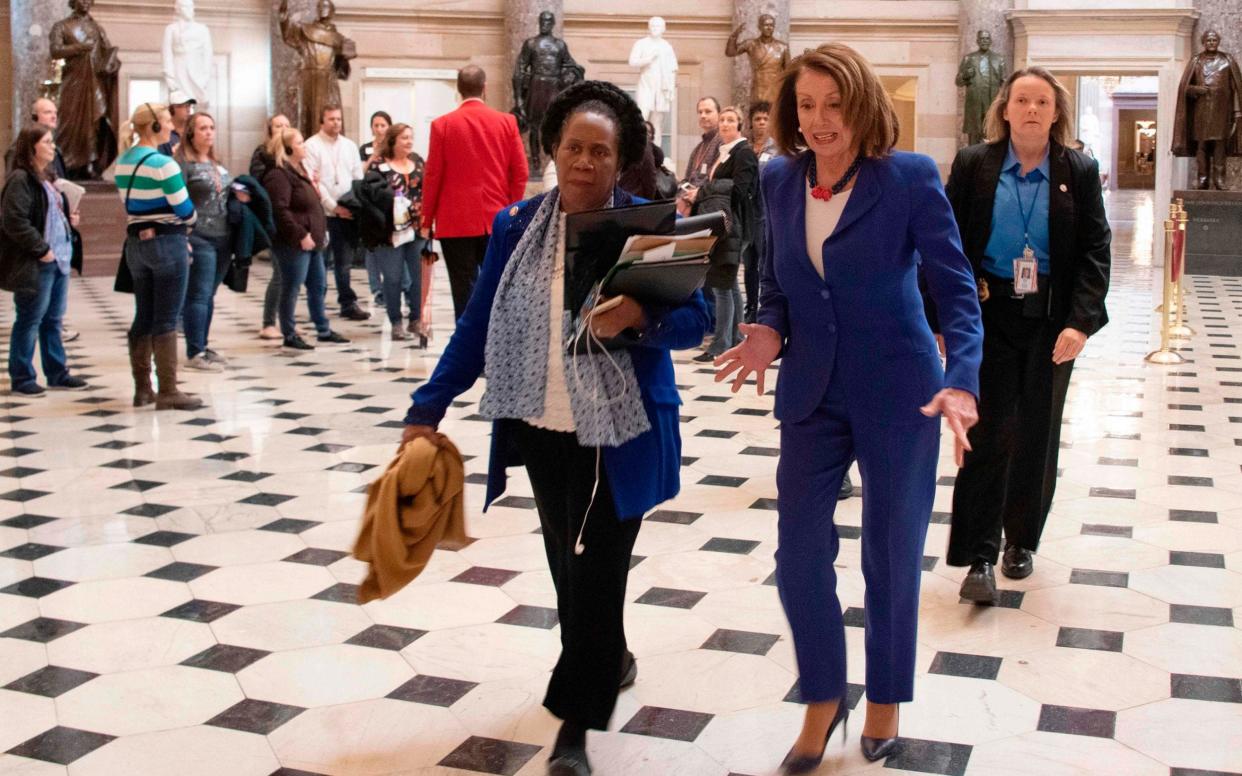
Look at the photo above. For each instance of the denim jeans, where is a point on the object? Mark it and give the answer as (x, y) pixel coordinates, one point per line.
(38, 317)
(298, 267)
(373, 274)
(401, 269)
(271, 297)
(161, 270)
(728, 316)
(207, 266)
(342, 237)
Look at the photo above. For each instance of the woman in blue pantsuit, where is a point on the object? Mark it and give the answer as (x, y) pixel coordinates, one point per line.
(860, 375)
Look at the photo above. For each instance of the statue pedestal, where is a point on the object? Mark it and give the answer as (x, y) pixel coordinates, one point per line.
(1214, 232)
(102, 228)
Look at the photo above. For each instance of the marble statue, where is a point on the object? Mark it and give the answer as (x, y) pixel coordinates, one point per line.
(543, 69)
(982, 72)
(768, 58)
(325, 57)
(187, 54)
(657, 83)
(89, 113)
(1208, 120)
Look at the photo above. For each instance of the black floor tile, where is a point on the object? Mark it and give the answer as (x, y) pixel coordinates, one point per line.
(149, 510)
(50, 681)
(42, 630)
(490, 755)
(26, 521)
(433, 690)
(164, 538)
(387, 637)
(289, 525)
(61, 745)
(30, 551)
(1101, 578)
(1221, 689)
(225, 657)
(675, 724)
(255, 716)
(516, 502)
(968, 666)
(923, 756)
(1210, 560)
(743, 642)
(341, 593)
(1192, 516)
(1125, 531)
(720, 480)
(531, 617)
(764, 503)
(267, 499)
(35, 587)
(677, 599)
(316, 556)
(731, 546)
(1085, 638)
(200, 611)
(481, 575)
(1075, 721)
(673, 516)
(1201, 615)
(1112, 493)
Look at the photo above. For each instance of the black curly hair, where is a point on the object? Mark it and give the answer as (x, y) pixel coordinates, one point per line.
(607, 100)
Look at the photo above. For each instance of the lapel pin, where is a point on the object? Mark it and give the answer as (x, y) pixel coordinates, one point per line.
(1064, 188)
(513, 211)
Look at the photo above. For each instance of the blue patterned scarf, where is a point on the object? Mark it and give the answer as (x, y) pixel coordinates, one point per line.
(603, 390)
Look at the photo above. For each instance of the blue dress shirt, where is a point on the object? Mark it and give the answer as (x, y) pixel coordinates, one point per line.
(56, 230)
(1016, 196)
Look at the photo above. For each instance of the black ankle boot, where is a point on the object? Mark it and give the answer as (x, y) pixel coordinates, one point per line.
(569, 757)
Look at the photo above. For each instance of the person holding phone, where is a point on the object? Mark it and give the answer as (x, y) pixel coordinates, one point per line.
(597, 433)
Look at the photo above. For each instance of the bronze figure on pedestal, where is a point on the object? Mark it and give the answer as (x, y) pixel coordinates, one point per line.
(1208, 122)
(86, 134)
(543, 69)
(325, 57)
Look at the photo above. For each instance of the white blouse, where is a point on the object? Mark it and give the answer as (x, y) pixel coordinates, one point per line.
(821, 221)
(558, 414)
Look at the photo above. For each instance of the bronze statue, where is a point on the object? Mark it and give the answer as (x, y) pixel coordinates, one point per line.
(768, 58)
(1208, 122)
(325, 57)
(86, 134)
(982, 72)
(544, 68)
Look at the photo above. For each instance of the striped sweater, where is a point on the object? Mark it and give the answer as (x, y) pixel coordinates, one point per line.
(158, 194)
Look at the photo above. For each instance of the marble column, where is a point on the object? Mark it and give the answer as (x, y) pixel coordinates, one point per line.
(522, 22)
(976, 15)
(747, 12)
(30, 22)
(285, 60)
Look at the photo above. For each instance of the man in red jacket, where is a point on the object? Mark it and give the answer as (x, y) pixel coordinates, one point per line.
(475, 167)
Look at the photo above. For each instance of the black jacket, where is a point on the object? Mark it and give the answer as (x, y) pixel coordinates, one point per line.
(260, 162)
(731, 188)
(252, 227)
(295, 208)
(371, 201)
(1079, 237)
(23, 212)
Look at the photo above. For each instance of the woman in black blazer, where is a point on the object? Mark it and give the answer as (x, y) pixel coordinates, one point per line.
(1032, 221)
(730, 188)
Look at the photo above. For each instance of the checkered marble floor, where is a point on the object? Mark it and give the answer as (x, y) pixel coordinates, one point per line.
(176, 594)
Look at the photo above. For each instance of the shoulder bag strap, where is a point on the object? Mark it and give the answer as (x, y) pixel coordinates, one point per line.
(133, 175)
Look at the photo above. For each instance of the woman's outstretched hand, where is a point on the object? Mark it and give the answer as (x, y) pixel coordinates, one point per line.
(761, 346)
(961, 413)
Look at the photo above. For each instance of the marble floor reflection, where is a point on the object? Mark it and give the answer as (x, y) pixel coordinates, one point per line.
(176, 590)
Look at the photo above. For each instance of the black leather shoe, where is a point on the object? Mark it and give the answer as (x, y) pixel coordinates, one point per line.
(1018, 562)
(333, 337)
(704, 358)
(355, 313)
(570, 764)
(877, 748)
(980, 584)
(795, 764)
(629, 670)
(847, 488)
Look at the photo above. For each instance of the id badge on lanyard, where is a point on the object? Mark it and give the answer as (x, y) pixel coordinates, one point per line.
(1026, 273)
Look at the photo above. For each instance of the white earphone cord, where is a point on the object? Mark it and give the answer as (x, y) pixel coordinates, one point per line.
(579, 547)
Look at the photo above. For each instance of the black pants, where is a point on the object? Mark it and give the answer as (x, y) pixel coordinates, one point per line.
(751, 257)
(1010, 475)
(463, 256)
(590, 588)
(342, 241)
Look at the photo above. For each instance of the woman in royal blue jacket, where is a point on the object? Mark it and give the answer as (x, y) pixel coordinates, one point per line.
(860, 374)
(574, 422)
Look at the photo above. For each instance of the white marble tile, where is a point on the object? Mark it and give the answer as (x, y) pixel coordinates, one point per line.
(190, 751)
(1185, 734)
(325, 676)
(128, 645)
(291, 625)
(234, 548)
(1189, 649)
(1190, 585)
(19, 657)
(114, 599)
(1093, 606)
(1041, 754)
(261, 583)
(485, 653)
(12, 765)
(440, 606)
(1085, 678)
(967, 711)
(23, 716)
(102, 561)
(709, 680)
(148, 700)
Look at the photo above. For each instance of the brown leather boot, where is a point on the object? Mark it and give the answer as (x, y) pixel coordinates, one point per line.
(140, 363)
(169, 398)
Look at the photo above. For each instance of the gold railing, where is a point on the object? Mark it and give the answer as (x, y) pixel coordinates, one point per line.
(1172, 310)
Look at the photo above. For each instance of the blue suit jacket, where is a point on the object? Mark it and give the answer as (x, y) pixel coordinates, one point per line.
(642, 472)
(865, 317)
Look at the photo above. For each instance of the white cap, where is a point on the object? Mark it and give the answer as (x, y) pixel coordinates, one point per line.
(178, 97)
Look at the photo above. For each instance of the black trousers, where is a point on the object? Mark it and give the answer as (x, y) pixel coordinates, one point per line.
(463, 256)
(590, 588)
(751, 256)
(1009, 477)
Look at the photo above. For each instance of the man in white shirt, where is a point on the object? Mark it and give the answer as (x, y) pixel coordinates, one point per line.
(333, 162)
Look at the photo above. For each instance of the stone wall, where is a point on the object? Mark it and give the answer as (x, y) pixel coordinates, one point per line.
(973, 17)
(6, 77)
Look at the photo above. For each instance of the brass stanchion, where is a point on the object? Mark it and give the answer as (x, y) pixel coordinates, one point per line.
(1180, 329)
(1170, 306)
(1166, 354)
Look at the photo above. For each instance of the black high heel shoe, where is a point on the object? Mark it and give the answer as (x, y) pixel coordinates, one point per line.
(795, 764)
(877, 748)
